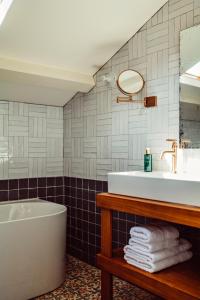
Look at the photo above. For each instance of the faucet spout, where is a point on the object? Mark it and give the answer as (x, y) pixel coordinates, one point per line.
(173, 153)
(165, 152)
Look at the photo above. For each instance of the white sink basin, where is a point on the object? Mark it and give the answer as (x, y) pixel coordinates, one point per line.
(176, 188)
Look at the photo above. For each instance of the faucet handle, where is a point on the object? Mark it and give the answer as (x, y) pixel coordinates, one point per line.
(174, 143)
(184, 143)
(171, 140)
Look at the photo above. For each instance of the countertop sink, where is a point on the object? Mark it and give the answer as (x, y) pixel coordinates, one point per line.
(162, 186)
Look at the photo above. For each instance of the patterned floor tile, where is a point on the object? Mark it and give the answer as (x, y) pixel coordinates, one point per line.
(83, 283)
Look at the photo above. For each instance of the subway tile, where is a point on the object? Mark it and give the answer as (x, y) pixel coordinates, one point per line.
(37, 147)
(67, 128)
(18, 126)
(4, 147)
(104, 102)
(120, 122)
(177, 8)
(90, 126)
(104, 124)
(104, 147)
(18, 146)
(89, 105)
(54, 128)
(37, 167)
(37, 111)
(77, 106)
(89, 168)
(4, 168)
(54, 167)
(37, 127)
(89, 147)
(3, 108)
(68, 147)
(68, 111)
(67, 166)
(119, 165)
(18, 168)
(120, 146)
(54, 112)
(77, 147)
(54, 147)
(77, 167)
(104, 166)
(3, 125)
(77, 128)
(18, 109)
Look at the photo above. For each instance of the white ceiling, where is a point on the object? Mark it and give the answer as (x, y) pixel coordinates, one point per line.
(58, 45)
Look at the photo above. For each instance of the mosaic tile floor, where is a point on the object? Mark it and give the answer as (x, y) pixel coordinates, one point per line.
(83, 283)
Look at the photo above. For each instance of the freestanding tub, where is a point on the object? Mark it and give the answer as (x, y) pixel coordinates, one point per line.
(32, 248)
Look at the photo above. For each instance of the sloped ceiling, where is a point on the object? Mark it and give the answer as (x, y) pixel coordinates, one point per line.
(49, 50)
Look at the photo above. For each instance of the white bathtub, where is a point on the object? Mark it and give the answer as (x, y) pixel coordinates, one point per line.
(32, 248)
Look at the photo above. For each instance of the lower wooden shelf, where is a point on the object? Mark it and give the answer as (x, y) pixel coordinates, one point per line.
(180, 282)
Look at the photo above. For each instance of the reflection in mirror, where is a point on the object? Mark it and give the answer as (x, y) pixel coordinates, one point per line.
(130, 82)
(190, 86)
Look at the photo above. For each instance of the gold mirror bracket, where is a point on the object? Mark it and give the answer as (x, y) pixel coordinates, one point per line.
(125, 99)
(148, 101)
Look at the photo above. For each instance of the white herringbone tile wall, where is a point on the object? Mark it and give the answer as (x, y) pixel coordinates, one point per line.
(101, 135)
(31, 140)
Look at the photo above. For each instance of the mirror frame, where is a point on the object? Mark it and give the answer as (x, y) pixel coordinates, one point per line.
(126, 93)
(184, 140)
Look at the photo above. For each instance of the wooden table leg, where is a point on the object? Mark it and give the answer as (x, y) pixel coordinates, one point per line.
(106, 286)
(106, 249)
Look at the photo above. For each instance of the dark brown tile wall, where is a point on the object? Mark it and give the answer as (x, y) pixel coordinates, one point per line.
(84, 219)
(51, 189)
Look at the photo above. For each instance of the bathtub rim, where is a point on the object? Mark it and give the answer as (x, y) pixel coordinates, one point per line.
(33, 200)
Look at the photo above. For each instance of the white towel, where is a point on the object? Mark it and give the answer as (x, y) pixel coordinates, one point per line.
(152, 246)
(152, 233)
(159, 265)
(130, 251)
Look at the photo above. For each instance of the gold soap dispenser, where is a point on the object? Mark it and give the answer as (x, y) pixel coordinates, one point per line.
(147, 160)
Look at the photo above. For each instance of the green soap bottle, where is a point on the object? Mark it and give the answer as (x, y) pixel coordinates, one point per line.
(148, 160)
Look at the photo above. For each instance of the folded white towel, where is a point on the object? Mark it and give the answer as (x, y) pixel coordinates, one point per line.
(152, 233)
(152, 246)
(159, 265)
(130, 251)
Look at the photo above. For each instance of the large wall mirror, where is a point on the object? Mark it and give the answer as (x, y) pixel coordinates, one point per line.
(190, 86)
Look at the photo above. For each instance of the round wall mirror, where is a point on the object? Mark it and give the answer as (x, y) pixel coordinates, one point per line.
(130, 82)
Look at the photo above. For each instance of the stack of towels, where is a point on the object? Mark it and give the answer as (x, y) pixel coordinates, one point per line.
(154, 248)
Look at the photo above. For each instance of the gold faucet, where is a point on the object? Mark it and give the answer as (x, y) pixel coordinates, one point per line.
(173, 152)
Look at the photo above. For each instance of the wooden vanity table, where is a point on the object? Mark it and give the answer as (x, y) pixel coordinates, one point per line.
(180, 282)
